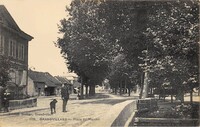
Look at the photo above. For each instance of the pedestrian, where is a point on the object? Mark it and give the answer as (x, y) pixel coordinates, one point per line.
(78, 96)
(6, 97)
(64, 96)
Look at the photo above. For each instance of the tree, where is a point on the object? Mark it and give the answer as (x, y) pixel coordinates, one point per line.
(122, 74)
(172, 34)
(4, 71)
(161, 41)
(126, 26)
(84, 44)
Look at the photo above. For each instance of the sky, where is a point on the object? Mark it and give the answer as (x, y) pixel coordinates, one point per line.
(39, 18)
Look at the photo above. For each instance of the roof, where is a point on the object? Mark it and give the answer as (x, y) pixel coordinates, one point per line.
(8, 22)
(36, 76)
(45, 77)
(62, 79)
(51, 78)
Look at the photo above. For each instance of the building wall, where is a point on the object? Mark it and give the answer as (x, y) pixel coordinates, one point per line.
(11, 35)
(19, 66)
(31, 91)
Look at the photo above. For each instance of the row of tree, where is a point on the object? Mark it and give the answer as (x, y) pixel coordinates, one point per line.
(152, 44)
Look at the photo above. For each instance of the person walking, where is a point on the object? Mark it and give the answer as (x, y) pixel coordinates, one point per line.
(64, 96)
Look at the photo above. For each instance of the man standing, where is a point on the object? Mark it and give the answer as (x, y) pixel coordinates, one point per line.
(6, 96)
(64, 96)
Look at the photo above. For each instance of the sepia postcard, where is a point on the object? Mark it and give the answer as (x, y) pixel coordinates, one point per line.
(103, 63)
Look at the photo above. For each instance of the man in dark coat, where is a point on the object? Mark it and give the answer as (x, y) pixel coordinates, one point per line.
(64, 96)
(6, 97)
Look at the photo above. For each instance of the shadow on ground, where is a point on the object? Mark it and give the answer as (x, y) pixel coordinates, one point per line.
(108, 101)
(98, 96)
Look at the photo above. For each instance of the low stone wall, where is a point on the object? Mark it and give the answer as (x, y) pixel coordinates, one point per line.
(125, 114)
(118, 115)
(25, 103)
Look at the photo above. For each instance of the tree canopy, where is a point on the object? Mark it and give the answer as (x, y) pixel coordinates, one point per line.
(161, 38)
(173, 36)
(84, 44)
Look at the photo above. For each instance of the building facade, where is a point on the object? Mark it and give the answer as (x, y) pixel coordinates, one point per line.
(14, 45)
(42, 84)
(64, 80)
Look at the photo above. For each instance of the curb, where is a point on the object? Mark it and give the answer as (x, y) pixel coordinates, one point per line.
(129, 120)
(18, 112)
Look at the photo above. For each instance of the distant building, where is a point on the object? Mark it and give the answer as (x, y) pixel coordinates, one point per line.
(14, 44)
(42, 84)
(64, 80)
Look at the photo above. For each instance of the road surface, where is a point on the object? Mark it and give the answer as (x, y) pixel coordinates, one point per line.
(80, 112)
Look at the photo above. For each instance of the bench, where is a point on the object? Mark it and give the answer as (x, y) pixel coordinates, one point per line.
(146, 104)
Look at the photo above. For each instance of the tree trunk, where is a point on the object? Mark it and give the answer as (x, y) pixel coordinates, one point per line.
(82, 88)
(92, 90)
(160, 92)
(129, 91)
(141, 91)
(182, 96)
(146, 85)
(125, 91)
(172, 94)
(86, 90)
(141, 88)
(115, 90)
(120, 84)
(191, 96)
(171, 98)
(151, 91)
(164, 94)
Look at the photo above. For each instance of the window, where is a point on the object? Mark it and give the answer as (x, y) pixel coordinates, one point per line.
(2, 43)
(21, 51)
(12, 48)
